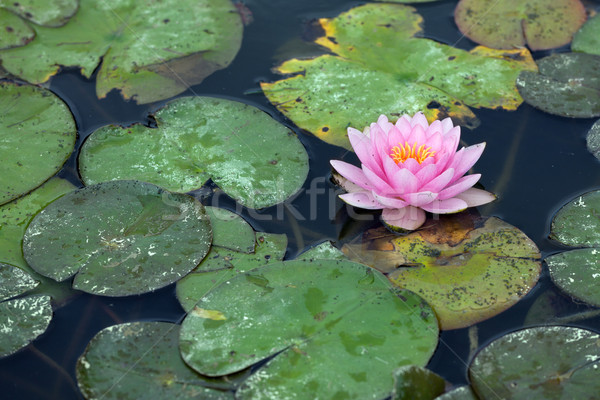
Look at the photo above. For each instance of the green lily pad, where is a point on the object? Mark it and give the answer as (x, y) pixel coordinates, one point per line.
(16, 32)
(50, 13)
(460, 393)
(148, 50)
(230, 231)
(577, 272)
(555, 362)
(593, 140)
(37, 135)
(368, 75)
(140, 360)
(21, 319)
(131, 237)
(322, 251)
(508, 24)
(249, 155)
(336, 329)
(587, 39)
(417, 383)
(467, 268)
(226, 260)
(568, 84)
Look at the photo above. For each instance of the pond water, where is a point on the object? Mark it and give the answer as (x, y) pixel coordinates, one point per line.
(534, 162)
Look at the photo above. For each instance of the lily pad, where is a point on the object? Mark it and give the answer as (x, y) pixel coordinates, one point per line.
(121, 238)
(568, 84)
(16, 32)
(593, 140)
(366, 74)
(555, 362)
(230, 230)
(322, 251)
(587, 39)
(21, 319)
(417, 383)
(50, 13)
(577, 272)
(460, 393)
(509, 24)
(225, 260)
(134, 360)
(249, 155)
(148, 50)
(335, 329)
(37, 135)
(467, 268)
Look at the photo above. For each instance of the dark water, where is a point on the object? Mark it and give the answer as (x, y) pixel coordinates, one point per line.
(534, 162)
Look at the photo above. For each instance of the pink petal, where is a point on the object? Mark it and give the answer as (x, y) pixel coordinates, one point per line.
(476, 197)
(435, 142)
(409, 218)
(403, 125)
(361, 200)
(447, 206)
(437, 184)
(468, 157)
(451, 139)
(377, 182)
(419, 119)
(352, 173)
(390, 169)
(459, 186)
(363, 149)
(412, 165)
(404, 181)
(417, 136)
(389, 202)
(426, 174)
(447, 125)
(419, 199)
(435, 127)
(395, 138)
(384, 124)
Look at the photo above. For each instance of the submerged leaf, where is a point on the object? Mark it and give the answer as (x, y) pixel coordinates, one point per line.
(324, 93)
(467, 268)
(132, 237)
(587, 39)
(416, 383)
(252, 157)
(149, 50)
(336, 328)
(556, 362)
(37, 135)
(509, 24)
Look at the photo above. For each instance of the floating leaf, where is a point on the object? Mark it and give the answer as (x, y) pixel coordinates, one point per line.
(16, 32)
(50, 13)
(324, 93)
(230, 230)
(555, 362)
(568, 84)
(224, 261)
(322, 251)
(593, 140)
(460, 393)
(467, 268)
(140, 360)
(131, 237)
(509, 24)
(37, 135)
(249, 155)
(416, 383)
(148, 50)
(336, 329)
(587, 39)
(577, 272)
(22, 319)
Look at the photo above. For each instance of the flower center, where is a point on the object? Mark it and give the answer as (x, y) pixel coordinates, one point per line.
(403, 152)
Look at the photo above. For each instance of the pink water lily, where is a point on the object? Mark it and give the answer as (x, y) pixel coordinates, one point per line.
(411, 167)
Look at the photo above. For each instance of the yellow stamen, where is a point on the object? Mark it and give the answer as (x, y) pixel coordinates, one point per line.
(402, 153)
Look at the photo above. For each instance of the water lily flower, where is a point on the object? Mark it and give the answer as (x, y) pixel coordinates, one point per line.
(411, 167)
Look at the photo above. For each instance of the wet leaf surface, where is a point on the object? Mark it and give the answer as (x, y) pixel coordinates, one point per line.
(467, 268)
(141, 360)
(417, 383)
(556, 362)
(331, 324)
(460, 393)
(37, 135)
(323, 93)
(133, 237)
(14, 281)
(253, 158)
(593, 140)
(146, 49)
(587, 39)
(567, 84)
(50, 13)
(509, 24)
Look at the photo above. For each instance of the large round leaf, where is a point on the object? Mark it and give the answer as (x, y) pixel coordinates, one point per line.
(149, 50)
(140, 360)
(587, 39)
(37, 135)
(21, 319)
(556, 362)
(508, 24)
(324, 93)
(50, 13)
(576, 224)
(568, 84)
(336, 328)
(467, 268)
(121, 238)
(249, 155)
(593, 140)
